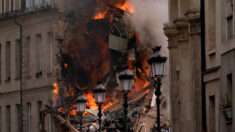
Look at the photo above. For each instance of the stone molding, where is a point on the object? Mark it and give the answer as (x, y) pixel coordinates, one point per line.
(182, 26)
(171, 32)
(193, 17)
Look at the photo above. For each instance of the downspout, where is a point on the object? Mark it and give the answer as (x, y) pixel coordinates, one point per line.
(20, 76)
(203, 63)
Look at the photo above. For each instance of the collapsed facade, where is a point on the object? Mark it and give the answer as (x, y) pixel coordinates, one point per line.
(53, 41)
(201, 65)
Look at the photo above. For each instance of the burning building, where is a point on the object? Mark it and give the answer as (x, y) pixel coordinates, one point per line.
(67, 48)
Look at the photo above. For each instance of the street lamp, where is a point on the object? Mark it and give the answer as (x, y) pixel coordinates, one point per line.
(81, 107)
(99, 92)
(156, 63)
(126, 78)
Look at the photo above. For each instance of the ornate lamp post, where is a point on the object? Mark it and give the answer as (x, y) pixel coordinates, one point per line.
(156, 63)
(99, 93)
(126, 78)
(81, 107)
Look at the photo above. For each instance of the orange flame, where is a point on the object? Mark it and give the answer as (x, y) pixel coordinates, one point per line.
(109, 104)
(65, 65)
(126, 7)
(56, 88)
(91, 101)
(100, 15)
(55, 92)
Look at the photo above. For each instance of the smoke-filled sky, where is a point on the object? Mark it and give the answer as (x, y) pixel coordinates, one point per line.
(148, 21)
(149, 17)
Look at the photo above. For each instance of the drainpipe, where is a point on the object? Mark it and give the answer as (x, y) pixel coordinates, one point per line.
(20, 76)
(203, 63)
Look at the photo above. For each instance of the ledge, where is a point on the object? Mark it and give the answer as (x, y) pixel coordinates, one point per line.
(12, 14)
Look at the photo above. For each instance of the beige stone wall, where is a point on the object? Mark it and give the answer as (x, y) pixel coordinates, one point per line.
(37, 91)
(218, 76)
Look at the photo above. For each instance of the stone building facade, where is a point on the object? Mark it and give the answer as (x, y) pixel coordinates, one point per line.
(201, 72)
(38, 19)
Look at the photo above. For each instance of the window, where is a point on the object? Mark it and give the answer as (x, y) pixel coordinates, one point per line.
(229, 87)
(3, 6)
(17, 59)
(50, 47)
(12, 5)
(229, 17)
(8, 61)
(23, 4)
(16, 5)
(8, 118)
(30, 4)
(39, 55)
(27, 57)
(0, 119)
(39, 113)
(0, 62)
(29, 117)
(18, 117)
(212, 24)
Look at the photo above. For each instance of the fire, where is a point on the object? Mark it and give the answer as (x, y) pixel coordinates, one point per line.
(126, 7)
(55, 92)
(109, 104)
(100, 15)
(56, 88)
(65, 65)
(73, 112)
(91, 101)
(61, 110)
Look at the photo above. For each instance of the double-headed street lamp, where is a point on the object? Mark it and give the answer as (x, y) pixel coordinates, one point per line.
(99, 93)
(156, 63)
(81, 107)
(126, 78)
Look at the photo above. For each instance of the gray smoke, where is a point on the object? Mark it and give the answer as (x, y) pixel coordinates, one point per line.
(148, 21)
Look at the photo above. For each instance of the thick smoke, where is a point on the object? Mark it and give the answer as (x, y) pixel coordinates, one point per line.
(148, 20)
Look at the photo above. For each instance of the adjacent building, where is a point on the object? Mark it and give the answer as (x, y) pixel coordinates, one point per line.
(202, 58)
(38, 19)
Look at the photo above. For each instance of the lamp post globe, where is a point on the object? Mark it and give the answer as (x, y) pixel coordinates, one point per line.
(81, 103)
(81, 107)
(126, 78)
(156, 63)
(99, 93)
